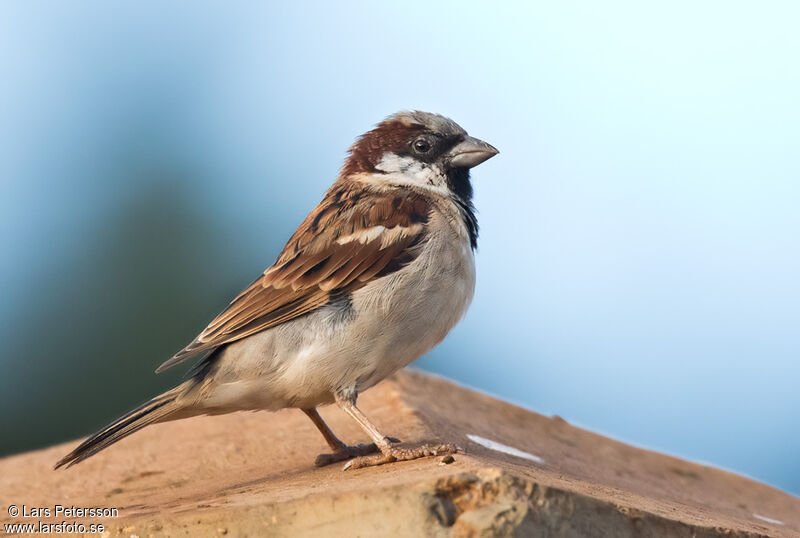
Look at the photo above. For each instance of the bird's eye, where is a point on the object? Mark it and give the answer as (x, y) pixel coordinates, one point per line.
(421, 145)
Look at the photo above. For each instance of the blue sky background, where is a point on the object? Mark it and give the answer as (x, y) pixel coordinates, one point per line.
(639, 254)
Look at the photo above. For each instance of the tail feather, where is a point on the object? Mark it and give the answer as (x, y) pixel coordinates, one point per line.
(155, 410)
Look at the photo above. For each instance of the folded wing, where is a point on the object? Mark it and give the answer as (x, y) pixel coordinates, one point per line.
(351, 238)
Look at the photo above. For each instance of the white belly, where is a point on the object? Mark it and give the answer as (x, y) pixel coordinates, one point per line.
(392, 322)
(412, 312)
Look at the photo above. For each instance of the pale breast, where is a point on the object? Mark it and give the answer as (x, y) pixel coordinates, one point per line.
(388, 324)
(406, 314)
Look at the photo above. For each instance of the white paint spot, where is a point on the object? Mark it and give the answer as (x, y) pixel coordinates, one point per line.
(500, 447)
(768, 519)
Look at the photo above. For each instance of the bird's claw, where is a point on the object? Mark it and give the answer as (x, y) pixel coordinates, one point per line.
(347, 452)
(396, 453)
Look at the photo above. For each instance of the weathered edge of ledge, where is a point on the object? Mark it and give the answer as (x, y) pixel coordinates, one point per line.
(252, 474)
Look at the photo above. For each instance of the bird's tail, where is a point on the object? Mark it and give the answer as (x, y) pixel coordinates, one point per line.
(156, 410)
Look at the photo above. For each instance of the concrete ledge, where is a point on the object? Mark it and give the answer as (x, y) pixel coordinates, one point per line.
(522, 474)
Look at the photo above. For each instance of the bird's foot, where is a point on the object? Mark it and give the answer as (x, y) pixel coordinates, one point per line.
(396, 453)
(347, 452)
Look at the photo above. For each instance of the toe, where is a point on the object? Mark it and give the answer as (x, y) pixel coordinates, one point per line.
(345, 453)
(396, 453)
(367, 461)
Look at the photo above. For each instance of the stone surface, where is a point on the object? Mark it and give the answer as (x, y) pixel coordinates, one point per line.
(252, 474)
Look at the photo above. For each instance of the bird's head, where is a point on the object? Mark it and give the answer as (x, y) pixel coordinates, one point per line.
(419, 148)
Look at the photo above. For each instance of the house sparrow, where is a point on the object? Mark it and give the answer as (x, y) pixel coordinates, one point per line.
(375, 276)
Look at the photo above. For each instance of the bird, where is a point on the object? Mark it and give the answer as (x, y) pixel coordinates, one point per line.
(375, 276)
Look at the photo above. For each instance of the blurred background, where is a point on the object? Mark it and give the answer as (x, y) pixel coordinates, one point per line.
(639, 253)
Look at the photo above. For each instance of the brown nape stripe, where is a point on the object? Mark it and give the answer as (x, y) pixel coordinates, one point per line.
(388, 136)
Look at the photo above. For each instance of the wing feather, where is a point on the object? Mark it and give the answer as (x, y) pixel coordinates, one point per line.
(351, 238)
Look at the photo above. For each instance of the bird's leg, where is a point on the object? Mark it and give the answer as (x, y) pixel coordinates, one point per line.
(334, 442)
(389, 451)
(340, 450)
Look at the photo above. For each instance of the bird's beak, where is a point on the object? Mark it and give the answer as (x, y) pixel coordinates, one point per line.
(471, 152)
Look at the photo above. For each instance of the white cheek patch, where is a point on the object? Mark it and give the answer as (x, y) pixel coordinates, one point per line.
(409, 170)
(391, 162)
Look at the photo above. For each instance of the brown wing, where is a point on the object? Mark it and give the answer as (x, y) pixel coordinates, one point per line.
(351, 238)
